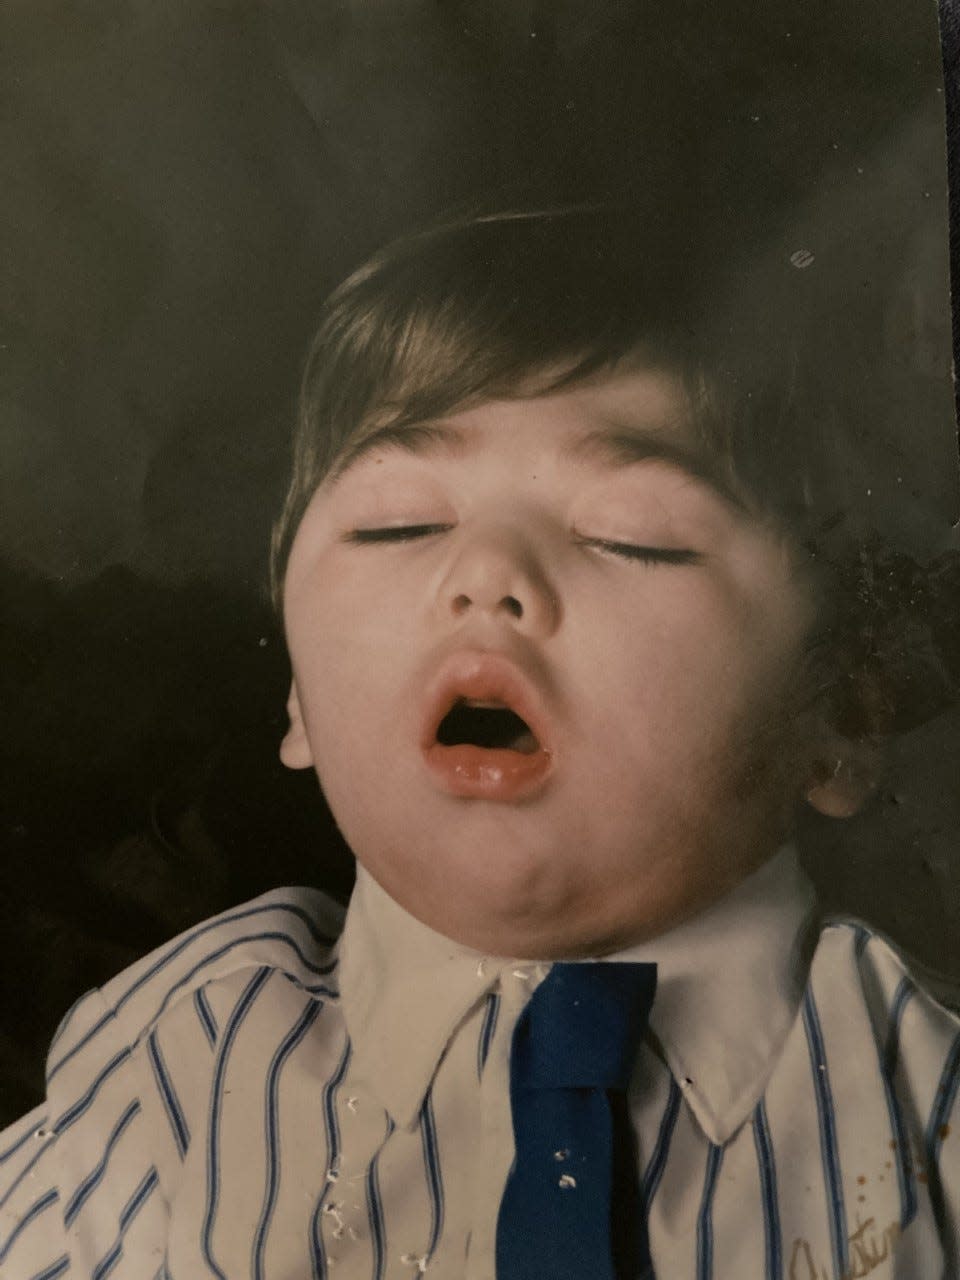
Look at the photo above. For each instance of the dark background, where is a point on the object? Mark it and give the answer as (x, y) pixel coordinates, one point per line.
(182, 183)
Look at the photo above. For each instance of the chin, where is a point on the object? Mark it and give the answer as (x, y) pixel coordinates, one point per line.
(516, 907)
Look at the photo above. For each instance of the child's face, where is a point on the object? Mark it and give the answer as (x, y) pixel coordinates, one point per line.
(571, 556)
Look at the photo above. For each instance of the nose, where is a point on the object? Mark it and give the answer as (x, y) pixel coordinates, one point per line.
(498, 572)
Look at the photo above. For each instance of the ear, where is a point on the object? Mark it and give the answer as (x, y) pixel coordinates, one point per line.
(295, 750)
(845, 778)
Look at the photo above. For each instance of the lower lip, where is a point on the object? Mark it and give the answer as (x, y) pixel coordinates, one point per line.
(488, 774)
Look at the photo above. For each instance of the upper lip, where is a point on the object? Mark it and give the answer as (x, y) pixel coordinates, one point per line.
(484, 676)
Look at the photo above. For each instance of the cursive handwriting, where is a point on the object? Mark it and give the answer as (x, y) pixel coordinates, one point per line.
(868, 1249)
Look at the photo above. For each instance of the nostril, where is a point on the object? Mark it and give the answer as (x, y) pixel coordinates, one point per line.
(461, 603)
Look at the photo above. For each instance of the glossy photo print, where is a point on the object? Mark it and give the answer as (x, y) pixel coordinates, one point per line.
(479, 519)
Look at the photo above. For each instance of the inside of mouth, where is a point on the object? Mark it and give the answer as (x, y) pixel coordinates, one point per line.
(495, 728)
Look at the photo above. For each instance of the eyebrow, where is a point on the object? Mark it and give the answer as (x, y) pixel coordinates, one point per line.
(422, 439)
(623, 445)
(615, 445)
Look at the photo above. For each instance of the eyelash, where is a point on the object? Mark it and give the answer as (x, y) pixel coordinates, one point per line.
(625, 550)
(645, 555)
(395, 533)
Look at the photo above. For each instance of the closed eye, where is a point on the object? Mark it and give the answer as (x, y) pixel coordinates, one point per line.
(395, 533)
(646, 555)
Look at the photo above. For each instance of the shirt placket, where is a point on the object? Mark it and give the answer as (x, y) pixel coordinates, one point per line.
(516, 985)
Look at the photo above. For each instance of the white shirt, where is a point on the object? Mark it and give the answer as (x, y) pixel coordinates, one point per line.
(252, 1101)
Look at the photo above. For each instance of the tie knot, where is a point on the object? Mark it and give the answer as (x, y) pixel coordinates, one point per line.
(583, 1025)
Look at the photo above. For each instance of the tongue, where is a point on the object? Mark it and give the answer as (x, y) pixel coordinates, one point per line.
(526, 743)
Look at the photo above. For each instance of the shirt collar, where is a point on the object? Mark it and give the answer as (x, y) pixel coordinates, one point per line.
(404, 989)
(729, 984)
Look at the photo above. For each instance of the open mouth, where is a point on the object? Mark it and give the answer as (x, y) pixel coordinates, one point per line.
(484, 734)
(488, 725)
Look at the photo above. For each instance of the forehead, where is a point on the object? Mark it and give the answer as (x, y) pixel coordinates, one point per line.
(612, 423)
(651, 403)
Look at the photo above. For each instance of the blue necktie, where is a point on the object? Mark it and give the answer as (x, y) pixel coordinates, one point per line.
(571, 1209)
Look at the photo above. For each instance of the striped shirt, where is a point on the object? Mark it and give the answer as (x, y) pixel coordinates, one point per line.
(258, 1100)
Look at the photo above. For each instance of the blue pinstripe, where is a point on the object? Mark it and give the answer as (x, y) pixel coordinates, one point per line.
(70, 1116)
(187, 941)
(769, 1196)
(378, 1235)
(21, 1176)
(828, 1134)
(44, 1202)
(889, 1056)
(102, 1166)
(62, 1024)
(93, 1179)
(271, 1125)
(168, 1095)
(431, 1164)
(650, 1179)
(658, 1161)
(29, 1132)
(891, 1049)
(173, 992)
(933, 1139)
(85, 1101)
(127, 1214)
(332, 1134)
(489, 1026)
(314, 988)
(240, 1011)
(705, 1216)
(55, 1269)
(205, 1015)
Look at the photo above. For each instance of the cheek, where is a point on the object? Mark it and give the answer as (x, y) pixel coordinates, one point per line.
(334, 613)
(685, 630)
(347, 649)
(693, 675)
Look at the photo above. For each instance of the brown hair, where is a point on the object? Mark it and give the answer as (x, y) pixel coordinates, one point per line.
(520, 303)
(472, 310)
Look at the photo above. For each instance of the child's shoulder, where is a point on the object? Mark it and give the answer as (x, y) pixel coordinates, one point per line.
(846, 942)
(137, 1057)
(290, 931)
(860, 978)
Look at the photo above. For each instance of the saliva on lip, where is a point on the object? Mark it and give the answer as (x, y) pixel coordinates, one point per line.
(492, 773)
